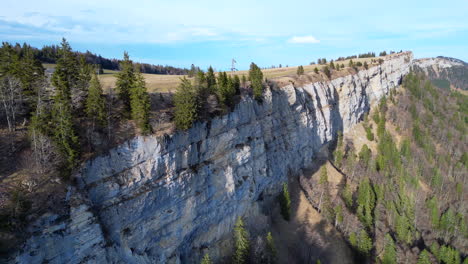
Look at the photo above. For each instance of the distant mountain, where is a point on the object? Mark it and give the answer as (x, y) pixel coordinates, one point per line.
(444, 72)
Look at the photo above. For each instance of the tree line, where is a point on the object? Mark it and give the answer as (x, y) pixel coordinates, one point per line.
(51, 54)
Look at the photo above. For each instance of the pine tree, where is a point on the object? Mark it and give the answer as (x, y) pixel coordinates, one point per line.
(347, 196)
(338, 214)
(95, 103)
(186, 105)
(270, 249)
(424, 258)
(225, 89)
(140, 103)
(64, 78)
(323, 181)
(389, 256)
(366, 202)
(366, 66)
(433, 206)
(236, 83)
(300, 70)
(241, 243)
(364, 243)
(244, 81)
(125, 81)
(256, 79)
(66, 72)
(316, 70)
(206, 259)
(285, 203)
(332, 65)
(327, 72)
(211, 80)
(64, 133)
(79, 91)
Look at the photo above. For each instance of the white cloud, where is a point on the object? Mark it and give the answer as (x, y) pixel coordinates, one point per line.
(303, 40)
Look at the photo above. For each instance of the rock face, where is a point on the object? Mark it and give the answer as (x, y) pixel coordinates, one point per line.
(170, 199)
(444, 72)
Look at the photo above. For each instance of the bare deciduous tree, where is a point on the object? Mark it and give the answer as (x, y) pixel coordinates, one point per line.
(11, 99)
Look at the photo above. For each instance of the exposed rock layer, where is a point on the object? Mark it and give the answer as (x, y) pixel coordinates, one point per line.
(444, 72)
(168, 199)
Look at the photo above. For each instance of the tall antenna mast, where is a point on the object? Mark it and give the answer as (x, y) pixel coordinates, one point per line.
(233, 65)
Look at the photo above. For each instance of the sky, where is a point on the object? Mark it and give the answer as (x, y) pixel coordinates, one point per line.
(208, 32)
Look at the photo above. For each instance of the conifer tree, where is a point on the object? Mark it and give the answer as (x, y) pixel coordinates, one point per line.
(244, 81)
(424, 258)
(79, 91)
(64, 133)
(434, 214)
(366, 202)
(241, 243)
(64, 77)
(364, 242)
(332, 65)
(256, 79)
(347, 196)
(323, 181)
(186, 105)
(236, 83)
(125, 81)
(316, 70)
(140, 103)
(366, 66)
(300, 70)
(95, 103)
(66, 72)
(206, 259)
(211, 80)
(327, 71)
(225, 89)
(285, 203)
(270, 249)
(389, 256)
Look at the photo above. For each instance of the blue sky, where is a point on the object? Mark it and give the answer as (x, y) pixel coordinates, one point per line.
(208, 32)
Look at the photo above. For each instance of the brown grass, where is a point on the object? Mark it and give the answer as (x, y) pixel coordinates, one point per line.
(168, 83)
(163, 83)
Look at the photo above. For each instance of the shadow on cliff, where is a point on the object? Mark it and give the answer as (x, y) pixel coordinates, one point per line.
(307, 237)
(290, 135)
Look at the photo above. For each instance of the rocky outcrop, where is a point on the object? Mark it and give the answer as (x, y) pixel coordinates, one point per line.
(444, 72)
(170, 199)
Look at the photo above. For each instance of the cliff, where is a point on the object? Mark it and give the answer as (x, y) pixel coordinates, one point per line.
(444, 72)
(173, 198)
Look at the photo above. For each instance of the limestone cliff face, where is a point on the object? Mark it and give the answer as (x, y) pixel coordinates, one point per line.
(443, 71)
(168, 199)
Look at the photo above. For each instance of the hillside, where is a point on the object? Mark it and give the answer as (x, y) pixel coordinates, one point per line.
(446, 73)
